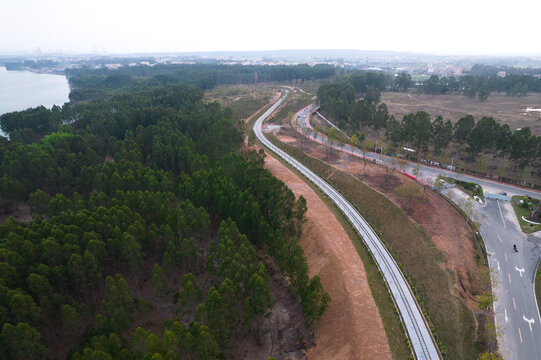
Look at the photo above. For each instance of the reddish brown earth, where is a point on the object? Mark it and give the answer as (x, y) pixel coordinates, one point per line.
(351, 328)
(448, 230)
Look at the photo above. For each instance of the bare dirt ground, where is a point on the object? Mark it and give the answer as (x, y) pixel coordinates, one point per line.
(351, 328)
(505, 109)
(447, 229)
(19, 210)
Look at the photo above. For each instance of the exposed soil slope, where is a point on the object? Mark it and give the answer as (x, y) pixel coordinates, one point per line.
(351, 328)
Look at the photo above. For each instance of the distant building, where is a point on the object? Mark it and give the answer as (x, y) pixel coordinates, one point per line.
(501, 74)
(113, 66)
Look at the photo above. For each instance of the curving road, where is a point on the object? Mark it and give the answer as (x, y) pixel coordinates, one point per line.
(517, 315)
(422, 342)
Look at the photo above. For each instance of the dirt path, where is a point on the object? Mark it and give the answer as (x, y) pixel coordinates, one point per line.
(446, 227)
(351, 328)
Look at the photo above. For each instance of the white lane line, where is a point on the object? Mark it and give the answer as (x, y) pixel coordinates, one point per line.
(501, 214)
(500, 238)
(520, 334)
(506, 318)
(505, 256)
(529, 321)
(514, 304)
(520, 271)
(509, 276)
(497, 264)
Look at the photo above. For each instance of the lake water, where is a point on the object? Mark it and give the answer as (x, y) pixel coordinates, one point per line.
(20, 90)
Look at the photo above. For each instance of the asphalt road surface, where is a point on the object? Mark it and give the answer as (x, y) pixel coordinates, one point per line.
(517, 314)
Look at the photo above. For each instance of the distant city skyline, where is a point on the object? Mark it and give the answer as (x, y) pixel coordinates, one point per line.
(462, 27)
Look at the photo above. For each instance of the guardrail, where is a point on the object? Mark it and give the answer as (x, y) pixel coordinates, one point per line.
(422, 342)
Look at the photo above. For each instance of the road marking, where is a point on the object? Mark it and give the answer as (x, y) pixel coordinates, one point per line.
(501, 214)
(497, 263)
(506, 318)
(520, 271)
(505, 256)
(500, 238)
(520, 334)
(509, 276)
(514, 304)
(529, 321)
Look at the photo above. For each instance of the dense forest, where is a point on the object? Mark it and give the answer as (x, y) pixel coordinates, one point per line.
(477, 83)
(87, 83)
(471, 139)
(153, 235)
(482, 86)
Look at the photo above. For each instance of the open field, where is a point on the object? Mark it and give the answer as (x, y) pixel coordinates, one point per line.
(243, 100)
(505, 109)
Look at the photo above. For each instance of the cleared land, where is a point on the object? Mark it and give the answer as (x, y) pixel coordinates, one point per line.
(505, 109)
(429, 266)
(243, 100)
(351, 328)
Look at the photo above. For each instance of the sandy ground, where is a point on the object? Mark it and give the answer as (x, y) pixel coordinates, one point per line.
(351, 328)
(446, 227)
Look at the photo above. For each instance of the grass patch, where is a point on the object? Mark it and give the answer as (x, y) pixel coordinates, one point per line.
(243, 100)
(417, 255)
(470, 188)
(396, 336)
(521, 211)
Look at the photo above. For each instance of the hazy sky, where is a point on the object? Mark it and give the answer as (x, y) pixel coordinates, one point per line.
(120, 26)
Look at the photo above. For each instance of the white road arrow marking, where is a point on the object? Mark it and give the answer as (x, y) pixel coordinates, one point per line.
(520, 271)
(506, 318)
(529, 321)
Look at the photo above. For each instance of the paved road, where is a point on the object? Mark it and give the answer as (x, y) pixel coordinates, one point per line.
(517, 313)
(423, 344)
(516, 309)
